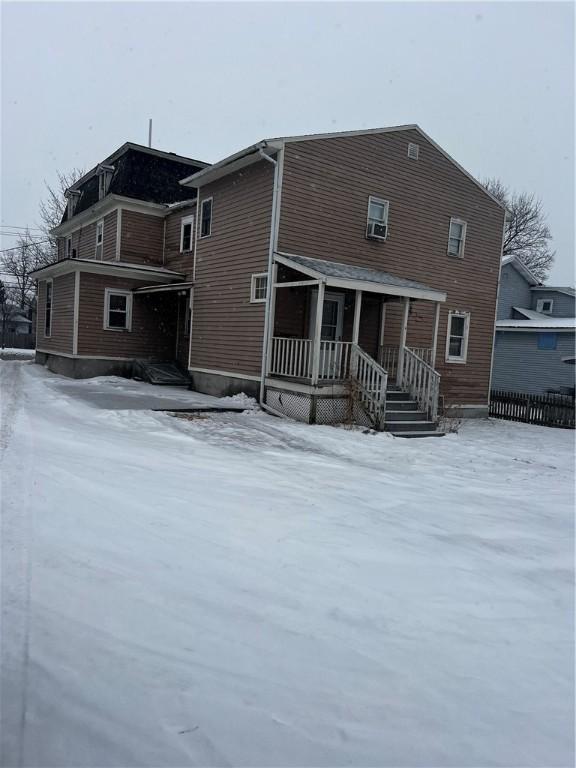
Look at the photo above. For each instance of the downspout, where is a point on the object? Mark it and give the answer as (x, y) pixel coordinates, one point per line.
(273, 236)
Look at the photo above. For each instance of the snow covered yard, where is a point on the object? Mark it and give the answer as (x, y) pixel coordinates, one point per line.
(238, 590)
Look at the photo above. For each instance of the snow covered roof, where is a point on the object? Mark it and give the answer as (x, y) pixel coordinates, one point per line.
(531, 314)
(547, 323)
(562, 289)
(337, 274)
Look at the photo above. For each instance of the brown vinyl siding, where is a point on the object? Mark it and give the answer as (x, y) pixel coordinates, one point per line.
(84, 239)
(227, 329)
(142, 238)
(153, 321)
(62, 335)
(325, 193)
(173, 258)
(110, 237)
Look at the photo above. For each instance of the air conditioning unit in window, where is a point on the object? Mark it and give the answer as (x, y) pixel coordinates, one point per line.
(376, 231)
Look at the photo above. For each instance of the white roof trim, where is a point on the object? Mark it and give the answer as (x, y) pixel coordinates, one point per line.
(567, 291)
(548, 324)
(362, 285)
(113, 268)
(230, 164)
(520, 267)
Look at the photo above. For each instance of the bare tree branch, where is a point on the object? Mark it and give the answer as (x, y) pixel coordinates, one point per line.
(527, 234)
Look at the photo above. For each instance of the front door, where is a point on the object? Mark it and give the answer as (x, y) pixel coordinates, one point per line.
(332, 321)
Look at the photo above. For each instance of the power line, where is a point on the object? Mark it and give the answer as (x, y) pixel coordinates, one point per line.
(26, 245)
(17, 226)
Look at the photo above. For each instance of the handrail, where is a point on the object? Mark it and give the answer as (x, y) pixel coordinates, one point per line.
(291, 357)
(372, 382)
(421, 381)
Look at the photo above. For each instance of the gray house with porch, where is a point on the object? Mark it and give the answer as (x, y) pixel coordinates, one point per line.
(535, 334)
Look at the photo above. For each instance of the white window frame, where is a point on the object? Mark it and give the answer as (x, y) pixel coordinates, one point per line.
(464, 225)
(48, 326)
(463, 357)
(184, 222)
(99, 231)
(540, 306)
(117, 292)
(202, 204)
(413, 150)
(255, 277)
(382, 222)
(69, 247)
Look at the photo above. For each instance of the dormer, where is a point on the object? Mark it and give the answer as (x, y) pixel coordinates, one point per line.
(104, 173)
(72, 196)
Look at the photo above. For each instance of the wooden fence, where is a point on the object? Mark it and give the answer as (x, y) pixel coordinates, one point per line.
(546, 410)
(9, 339)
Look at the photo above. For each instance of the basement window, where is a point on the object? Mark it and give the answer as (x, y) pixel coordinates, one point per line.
(259, 288)
(457, 337)
(186, 233)
(117, 310)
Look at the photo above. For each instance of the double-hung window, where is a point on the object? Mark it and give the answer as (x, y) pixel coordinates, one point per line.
(457, 337)
(377, 223)
(117, 310)
(99, 240)
(456, 237)
(206, 218)
(186, 233)
(259, 287)
(48, 309)
(69, 247)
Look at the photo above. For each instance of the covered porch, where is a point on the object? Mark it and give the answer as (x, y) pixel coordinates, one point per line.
(337, 330)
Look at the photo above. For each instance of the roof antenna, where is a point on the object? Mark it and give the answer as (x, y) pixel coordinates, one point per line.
(150, 133)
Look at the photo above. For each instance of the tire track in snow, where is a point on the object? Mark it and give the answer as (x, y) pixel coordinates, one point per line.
(16, 467)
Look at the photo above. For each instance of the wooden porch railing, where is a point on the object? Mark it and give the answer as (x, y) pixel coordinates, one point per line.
(334, 360)
(371, 380)
(421, 381)
(291, 357)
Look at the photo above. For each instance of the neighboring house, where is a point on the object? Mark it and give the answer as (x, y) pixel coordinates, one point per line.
(535, 334)
(384, 258)
(16, 322)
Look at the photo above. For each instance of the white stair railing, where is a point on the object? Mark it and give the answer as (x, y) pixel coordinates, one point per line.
(334, 361)
(372, 381)
(421, 381)
(291, 357)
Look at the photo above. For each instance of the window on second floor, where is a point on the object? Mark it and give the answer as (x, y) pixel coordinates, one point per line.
(547, 340)
(457, 337)
(186, 233)
(545, 306)
(456, 237)
(259, 287)
(206, 218)
(99, 239)
(377, 223)
(48, 309)
(69, 247)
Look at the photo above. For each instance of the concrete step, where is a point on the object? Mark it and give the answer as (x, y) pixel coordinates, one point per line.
(430, 433)
(405, 415)
(410, 425)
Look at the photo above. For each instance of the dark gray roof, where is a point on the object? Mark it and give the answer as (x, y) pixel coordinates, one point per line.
(350, 272)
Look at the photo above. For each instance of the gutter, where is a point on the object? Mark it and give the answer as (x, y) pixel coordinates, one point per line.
(278, 165)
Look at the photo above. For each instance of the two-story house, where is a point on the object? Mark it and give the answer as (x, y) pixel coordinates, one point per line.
(332, 276)
(535, 334)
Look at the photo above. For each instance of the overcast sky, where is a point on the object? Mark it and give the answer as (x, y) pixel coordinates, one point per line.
(493, 83)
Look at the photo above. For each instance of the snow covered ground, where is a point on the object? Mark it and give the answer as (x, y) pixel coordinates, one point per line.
(237, 590)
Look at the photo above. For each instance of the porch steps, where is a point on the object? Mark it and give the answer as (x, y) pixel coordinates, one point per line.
(165, 374)
(403, 418)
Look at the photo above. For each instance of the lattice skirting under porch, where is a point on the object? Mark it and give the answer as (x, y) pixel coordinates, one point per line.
(317, 409)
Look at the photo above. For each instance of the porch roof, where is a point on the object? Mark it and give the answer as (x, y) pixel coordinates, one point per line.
(164, 287)
(338, 275)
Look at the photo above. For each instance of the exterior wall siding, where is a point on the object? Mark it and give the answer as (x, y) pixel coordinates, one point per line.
(153, 331)
(519, 366)
(84, 240)
(325, 193)
(227, 329)
(62, 335)
(514, 292)
(142, 238)
(564, 305)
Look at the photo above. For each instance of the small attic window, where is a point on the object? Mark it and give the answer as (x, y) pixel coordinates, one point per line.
(104, 176)
(72, 197)
(413, 151)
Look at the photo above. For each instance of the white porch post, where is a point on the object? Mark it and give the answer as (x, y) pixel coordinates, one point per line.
(402, 347)
(382, 329)
(317, 334)
(272, 316)
(357, 311)
(435, 338)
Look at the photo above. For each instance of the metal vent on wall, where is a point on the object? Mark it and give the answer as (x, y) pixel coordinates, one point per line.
(413, 151)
